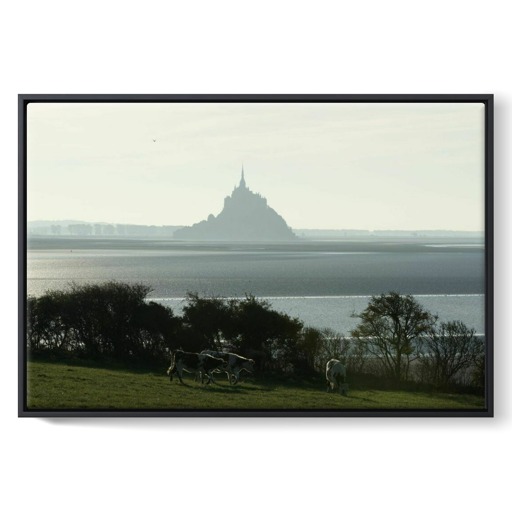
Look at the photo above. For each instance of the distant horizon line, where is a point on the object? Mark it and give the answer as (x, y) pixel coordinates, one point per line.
(42, 222)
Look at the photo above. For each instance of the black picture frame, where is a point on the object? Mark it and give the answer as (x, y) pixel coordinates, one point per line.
(25, 99)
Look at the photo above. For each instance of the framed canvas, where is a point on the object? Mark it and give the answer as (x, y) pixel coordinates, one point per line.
(255, 255)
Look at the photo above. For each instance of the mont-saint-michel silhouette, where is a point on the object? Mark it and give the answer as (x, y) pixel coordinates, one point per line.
(246, 216)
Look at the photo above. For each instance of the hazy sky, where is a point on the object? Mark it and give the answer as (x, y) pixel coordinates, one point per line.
(346, 166)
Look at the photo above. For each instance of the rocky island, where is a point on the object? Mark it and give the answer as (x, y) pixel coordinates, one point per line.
(246, 216)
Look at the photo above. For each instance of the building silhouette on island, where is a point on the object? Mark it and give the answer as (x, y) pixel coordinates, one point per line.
(246, 216)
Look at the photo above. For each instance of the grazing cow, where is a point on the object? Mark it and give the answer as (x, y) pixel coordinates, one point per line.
(191, 362)
(336, 373)
(234, 364)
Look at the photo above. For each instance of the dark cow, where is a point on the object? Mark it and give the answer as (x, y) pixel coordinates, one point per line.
(234, 364)
(191, 362)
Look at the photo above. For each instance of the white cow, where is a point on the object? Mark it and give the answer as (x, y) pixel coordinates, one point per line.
(336, 374)
(234, 364)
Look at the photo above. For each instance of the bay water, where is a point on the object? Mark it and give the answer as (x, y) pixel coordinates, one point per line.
(322, 282)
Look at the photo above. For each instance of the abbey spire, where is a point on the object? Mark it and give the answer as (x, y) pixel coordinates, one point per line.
(242, 181)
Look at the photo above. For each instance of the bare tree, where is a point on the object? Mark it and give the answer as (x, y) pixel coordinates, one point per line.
(390, 328)
(449, 350)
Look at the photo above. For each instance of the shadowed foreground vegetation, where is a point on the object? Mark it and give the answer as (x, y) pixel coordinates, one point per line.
(397, 344)
(63, 386)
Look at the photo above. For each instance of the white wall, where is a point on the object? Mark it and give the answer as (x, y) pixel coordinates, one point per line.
(262, 47)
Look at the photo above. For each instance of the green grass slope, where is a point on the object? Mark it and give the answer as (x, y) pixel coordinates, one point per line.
(54, 386)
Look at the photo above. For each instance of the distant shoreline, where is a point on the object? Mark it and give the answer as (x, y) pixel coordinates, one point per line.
(354, 245)
(69, 228)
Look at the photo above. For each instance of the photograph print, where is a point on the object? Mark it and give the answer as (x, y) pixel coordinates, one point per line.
(255, 255)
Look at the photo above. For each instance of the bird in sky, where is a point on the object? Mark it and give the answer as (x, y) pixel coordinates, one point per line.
(154, 140)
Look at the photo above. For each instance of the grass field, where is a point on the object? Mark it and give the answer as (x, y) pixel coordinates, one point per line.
(61, 386)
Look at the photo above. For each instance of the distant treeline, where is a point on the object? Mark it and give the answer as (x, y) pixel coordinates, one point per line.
(396, 343)
(377, 233)
(85, 229)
